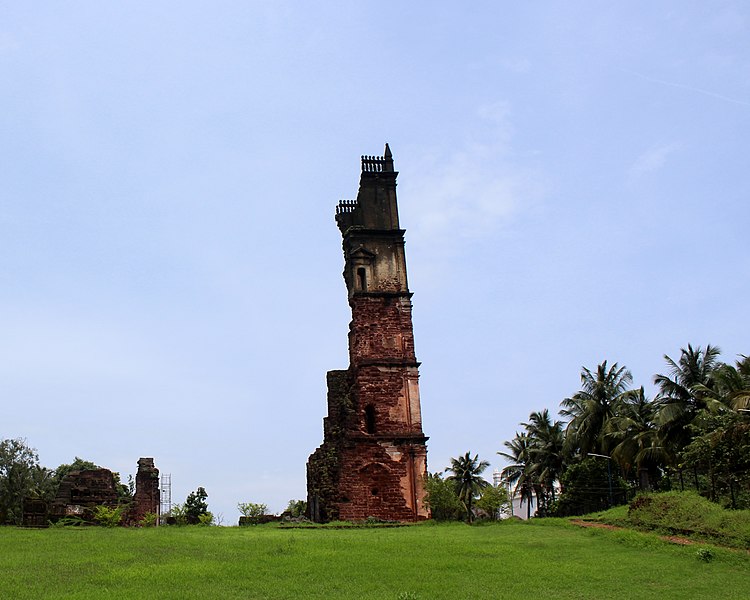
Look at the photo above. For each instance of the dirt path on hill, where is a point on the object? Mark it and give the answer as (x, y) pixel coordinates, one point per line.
(672, 539)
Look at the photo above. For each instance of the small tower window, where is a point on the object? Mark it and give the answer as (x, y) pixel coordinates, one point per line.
(370, 418)
(362, 279)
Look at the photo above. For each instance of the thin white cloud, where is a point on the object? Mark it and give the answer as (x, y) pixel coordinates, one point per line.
(652, 159)
(690, 88)
(471, 192)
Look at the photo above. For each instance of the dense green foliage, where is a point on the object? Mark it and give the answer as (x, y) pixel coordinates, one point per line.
(296, 508)
(252, 509)
(107, 516)
(587, 489)
(546, 558)
(196, 506)
(493, 502)
(21, 475)
(694, 435)
(464, 494)
(442, 499)
(194, 511)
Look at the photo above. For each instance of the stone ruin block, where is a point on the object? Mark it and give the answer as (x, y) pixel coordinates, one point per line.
(147, 498)
(81, 491)
(34, 513)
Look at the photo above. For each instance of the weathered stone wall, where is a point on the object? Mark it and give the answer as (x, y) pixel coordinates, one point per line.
(381, 329)
(377, 481)
(35, 513)
(81, 491)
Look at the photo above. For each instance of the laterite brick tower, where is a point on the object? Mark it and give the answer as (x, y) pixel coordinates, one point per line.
(374, 453)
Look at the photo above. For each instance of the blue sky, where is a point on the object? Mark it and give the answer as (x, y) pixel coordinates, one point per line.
(573, 181)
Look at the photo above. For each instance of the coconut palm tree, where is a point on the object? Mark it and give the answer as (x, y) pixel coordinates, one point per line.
(546, 452)
(466, 476)
(686, 389)
(589, 409)
(731, 386)
(518, 473)
(633, 436)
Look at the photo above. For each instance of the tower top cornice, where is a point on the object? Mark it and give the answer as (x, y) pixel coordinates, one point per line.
(375, 207)
(378, 164)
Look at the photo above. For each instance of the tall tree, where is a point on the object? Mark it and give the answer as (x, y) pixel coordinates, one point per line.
(731, 386)
(465, 473)
(686, 389)
(589, 409)
(546, 452)
(518, 473)
(20, 476)
(196, 506)
(633, 435)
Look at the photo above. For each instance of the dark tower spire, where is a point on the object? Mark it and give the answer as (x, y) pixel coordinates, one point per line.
(374, 452)
(388, 165)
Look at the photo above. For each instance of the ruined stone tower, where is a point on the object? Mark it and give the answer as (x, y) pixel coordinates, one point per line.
(374, 453)
(147, 497)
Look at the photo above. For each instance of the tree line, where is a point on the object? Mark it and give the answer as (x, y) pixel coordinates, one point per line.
(612, 440)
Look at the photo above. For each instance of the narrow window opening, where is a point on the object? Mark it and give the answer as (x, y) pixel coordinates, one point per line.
(374, 491)
(370, 418)
(362, 278)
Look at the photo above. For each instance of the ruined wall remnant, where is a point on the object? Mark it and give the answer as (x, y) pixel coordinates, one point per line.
(374, 452)
(147, 498)
(35, 513)
(81, 491)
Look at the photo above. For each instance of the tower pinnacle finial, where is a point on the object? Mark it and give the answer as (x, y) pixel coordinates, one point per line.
(387, 159)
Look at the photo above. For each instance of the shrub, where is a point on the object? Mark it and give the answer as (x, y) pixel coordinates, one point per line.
(206, 518)
(252, 510)
(704, 554)
(107, 516)
(177, 515)
(296, 508)
(149, 520)
(68, 522)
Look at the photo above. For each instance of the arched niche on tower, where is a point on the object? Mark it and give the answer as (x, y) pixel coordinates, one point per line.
(360, 276)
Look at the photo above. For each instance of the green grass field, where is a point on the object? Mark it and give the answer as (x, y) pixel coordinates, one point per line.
(550, 558)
